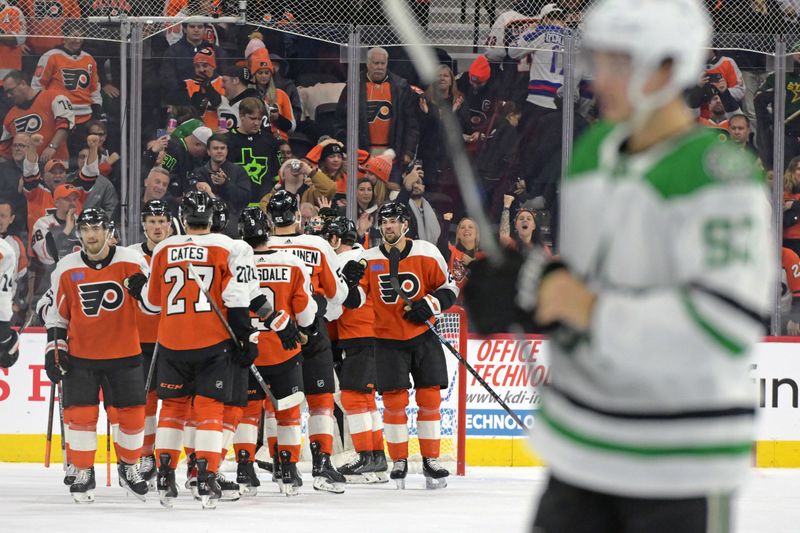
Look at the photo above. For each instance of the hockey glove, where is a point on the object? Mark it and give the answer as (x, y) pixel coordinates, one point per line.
(353, 271)
(286, 328)
(56, 360)
(135, 283)
(423, 309)
(322, 304)
(247, 350)
(9, 350)
(309, 332)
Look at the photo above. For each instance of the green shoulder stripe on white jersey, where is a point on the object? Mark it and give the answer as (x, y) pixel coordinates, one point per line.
(725, 449)
(586, 152)
(700, 159)
(733, 347)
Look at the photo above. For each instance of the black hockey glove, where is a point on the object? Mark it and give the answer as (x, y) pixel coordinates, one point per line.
(246, 350)
(353, 271)
(56, 360)
(286, 328)
(309, 332)
(423, 309)
(322, 304)
(135, 283)
(9, 350)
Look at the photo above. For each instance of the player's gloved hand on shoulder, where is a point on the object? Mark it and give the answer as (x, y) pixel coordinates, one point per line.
(247, 350)
(9, 350)
(56, 360)
(353, 271)
(135, 283)
(286, 328)
(423, 309)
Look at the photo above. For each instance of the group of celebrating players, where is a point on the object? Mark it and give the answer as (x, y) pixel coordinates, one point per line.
(232, 337)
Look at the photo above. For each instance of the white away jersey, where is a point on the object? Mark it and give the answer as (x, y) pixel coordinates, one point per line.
(545, 44)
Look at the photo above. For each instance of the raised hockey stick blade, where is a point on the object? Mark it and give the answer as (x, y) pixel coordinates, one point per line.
(394, 260)
(215, 308)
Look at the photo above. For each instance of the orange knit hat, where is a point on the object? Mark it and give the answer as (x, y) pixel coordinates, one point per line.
(259, 59)
(381, 165)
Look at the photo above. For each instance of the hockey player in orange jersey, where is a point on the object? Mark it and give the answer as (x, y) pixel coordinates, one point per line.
(157, 226)
(86, 350)
(195, 349)
(357, 376)
(405, 346)
(318, 378)
(285, 288)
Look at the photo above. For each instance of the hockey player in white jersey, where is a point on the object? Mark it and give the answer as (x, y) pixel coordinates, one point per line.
(327, 285)
(657, 304)
(9, 347)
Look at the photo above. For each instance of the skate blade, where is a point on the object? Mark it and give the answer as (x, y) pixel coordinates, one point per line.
(141, 497)
(83, 497)
(151, 484)
(230, 495)
(433, 483)
(248, 491)
(401, 483)
(190, 483)
(207, 502)
(358, 479)
(381, 477)
(291, 490)
(164, 500)
(322, 484)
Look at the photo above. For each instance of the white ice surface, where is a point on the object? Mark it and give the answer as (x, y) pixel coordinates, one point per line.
(493, 500)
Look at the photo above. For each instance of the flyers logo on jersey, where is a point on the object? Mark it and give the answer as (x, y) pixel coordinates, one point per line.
(76, 78)
(379, 110)
(409, 284)
(102, 295)
(52, 9)
(28, 124)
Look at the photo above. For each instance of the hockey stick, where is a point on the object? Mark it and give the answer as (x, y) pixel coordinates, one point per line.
(50, 411)
(108, 450)
(151, 370)
(394, 261)
(215, 308)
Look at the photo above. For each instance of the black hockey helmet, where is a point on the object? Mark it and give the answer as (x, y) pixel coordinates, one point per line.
(221, 215)
(283, 208)
(253, 224)
(91, 216)
(394, 210)
(314, 226)
(334, 227)
(155, 208)
(196, 208)
(351, 235)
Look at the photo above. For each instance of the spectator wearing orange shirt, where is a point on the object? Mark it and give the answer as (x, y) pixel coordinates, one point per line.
(12, 38)
(280, 114)
(46, 19)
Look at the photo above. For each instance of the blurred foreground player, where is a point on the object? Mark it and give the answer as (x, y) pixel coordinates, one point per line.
(647, 425)
(404, 344)
(9, 347)
(195, 350)
(86, 348)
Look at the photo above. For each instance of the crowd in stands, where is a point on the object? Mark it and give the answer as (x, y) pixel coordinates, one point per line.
(241, 111)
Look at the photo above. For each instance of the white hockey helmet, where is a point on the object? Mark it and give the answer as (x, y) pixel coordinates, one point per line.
(650, 32)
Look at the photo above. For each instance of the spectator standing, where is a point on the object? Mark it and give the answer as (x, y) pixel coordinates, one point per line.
(226, 180)
(103, 194)
(477, 114)
(71, 71)
(156, 187)
(741, 132)
(279, 108)
(722, 78)
(54, 233)
(366, 225)
(177, 64)
(12, 40)
(293, 177)
(45, 112)
(507, 27)
(203, 92)
(763, 104)
(464, 249)
(184, 154)
(330, 175)
(108, 158)
(432, 147)
(387, 112)
(424, 222)
(524, 234)
(282, 81)
(497, 160)
(47, 18)
(254, 148)
(235, 85)
(717, 117)
(11, 180)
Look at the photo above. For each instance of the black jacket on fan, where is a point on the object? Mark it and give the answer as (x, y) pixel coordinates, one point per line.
(257, 154)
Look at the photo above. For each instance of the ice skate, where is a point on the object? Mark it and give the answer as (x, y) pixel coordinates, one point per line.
(230, 489)
(208, 488)
(69, 475)
(147, 469)
(246, 475)
(360, 470)
(82, 489)
(191, 475)
(131, 480)
(380, 466)
(399, 472)
(165, 481)
(291, 481)
(326, 477)
(435, 474)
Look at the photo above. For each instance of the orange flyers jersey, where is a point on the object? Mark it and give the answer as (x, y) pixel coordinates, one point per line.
(421, 271)
(8, 280)
(187, 320)
(74, 76)
(12, 22)
(146, 323)
(48, 112)
(791, 266)
(352, 323)
(320, 260)
(285, 110)
(282, 278)
(92, 304)
(19, 250)
(46, 18)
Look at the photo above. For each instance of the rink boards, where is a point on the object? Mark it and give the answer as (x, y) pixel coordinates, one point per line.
(516, 368)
